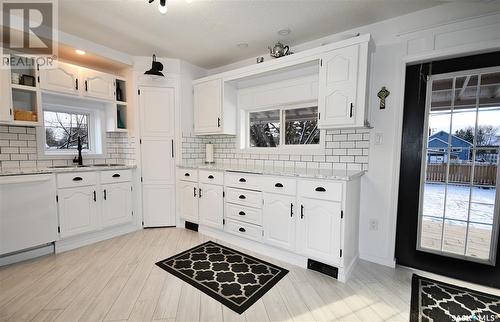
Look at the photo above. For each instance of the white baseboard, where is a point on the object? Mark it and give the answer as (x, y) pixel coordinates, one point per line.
(378, 260)
(27, 254)
(94, 237)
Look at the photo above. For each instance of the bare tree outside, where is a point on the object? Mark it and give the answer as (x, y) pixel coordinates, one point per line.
(63, 129)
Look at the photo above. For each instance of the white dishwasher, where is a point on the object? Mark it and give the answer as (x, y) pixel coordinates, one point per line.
(28, 212)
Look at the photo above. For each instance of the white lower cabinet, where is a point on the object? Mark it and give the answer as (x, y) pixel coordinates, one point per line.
(90, 201)
(77, 210)
(211, 205)
(116, 204)
(279, 215)
(319, 229)
(187, 194)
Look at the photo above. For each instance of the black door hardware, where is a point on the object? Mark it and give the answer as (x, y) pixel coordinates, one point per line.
(210, 177)
(350, 113)
(301, 211)
(242, 213)
(242, 197)
(186, 174)
(194, 192)
(320, 189)
(116, 175)
(278, 185)
(242, 180)
(86, 86)
(77, 179)
(95, 196)
(105, 194)
(242, 229)
(291, 209)
(199, 192)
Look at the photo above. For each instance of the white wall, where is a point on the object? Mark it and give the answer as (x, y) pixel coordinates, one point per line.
(379, 185)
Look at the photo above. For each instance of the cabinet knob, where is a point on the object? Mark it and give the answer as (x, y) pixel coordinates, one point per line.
(77, 179)
(320, 189)
(210, 177)
(278, 185)
(242, 197)
(243, 180)
(242, 229)
(187, 174)
(242, 213)
(116, 175)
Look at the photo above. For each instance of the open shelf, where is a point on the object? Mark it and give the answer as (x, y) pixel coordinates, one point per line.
(24, 105)
(23, 71)
(121, 117)
(121, 90)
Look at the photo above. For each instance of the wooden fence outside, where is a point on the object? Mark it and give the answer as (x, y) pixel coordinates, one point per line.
(461, 173)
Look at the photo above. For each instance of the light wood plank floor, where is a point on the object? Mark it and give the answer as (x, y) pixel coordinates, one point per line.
(116, 280)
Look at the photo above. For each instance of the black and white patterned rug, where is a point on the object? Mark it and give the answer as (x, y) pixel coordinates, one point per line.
(437, 301)
(231, 277)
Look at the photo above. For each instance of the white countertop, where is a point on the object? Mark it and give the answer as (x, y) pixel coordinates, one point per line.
(280, 171)
(16, 171)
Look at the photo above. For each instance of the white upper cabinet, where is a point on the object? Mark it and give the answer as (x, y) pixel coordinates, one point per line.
(98, 85)
(342, 87)
(208, 107)
(5, 96)
(64, 78)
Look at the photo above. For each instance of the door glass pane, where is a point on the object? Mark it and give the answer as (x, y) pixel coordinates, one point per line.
(458, 194)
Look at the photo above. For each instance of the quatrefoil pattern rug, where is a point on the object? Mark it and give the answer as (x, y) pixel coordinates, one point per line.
(235, 279)
(436, 301)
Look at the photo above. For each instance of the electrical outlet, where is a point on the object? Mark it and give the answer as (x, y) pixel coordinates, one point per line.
(373, 224)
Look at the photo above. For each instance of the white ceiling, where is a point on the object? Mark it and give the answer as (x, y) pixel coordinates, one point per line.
(206, 33)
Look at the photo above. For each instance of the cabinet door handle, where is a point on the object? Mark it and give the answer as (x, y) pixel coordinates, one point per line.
(242, 213)
(187, 174)
(76, 84)
(199, 192)
(218, 122)
(116, 175)
(301, 211)
(242, 229)
(105, 194)
(320, 189)
(172, 149)
(77, 179)
(86, 86)
(95, 196)
(242, 197)
(210, 177)
(278, 185)
(291, 209)
(243, 180)
(194, 192)
(350, 113)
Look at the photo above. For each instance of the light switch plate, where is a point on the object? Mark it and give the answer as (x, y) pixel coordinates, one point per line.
(379, 138)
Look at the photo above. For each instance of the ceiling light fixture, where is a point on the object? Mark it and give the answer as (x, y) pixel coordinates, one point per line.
(162, 6)
(284, 32)
(156, 68)
(80, 52)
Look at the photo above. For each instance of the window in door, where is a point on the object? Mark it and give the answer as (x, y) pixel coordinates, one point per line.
(459, 195)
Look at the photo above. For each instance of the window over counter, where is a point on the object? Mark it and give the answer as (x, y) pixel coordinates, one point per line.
(63, 124)
(283, 128)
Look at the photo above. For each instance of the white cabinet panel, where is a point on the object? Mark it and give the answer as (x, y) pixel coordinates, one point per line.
(157, 112)
(338, 87)
(98, 85)
(243, 229)
(208, 106)
(64, 78)
(158, 204)
(244, 197)
(243, 213)
(77, 210)
(319, 229)
(116, 204)
(158, 164)
(5, 96)
(211, 205)
(187, 201)
(279, 221)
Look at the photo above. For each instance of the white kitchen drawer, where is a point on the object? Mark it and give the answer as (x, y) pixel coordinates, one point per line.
(325, 190)
(244, 197)
(115, 176)
(76, 179)
(281, 185)
(243, 229)
(187, 174)
(243, 213)
(211, 177)
(243, 180)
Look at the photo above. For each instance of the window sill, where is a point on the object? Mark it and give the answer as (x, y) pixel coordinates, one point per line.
(68, 156)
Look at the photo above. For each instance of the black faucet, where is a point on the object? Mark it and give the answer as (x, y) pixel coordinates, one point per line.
(79, 159)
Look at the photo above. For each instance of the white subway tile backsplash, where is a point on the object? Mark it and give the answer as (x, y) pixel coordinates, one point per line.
(343, 149)
(18, 149)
